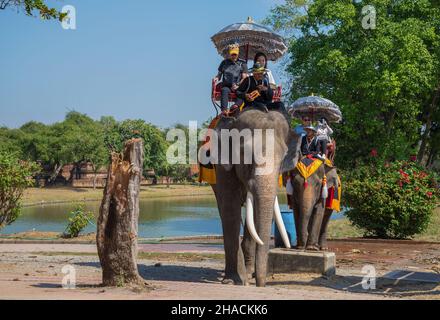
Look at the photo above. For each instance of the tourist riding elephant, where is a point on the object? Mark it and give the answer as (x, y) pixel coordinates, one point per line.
(254, 183)
(309, 207)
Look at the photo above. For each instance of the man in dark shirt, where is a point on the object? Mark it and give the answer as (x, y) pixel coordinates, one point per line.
(256, 91)
(231, 71)
(310, 144)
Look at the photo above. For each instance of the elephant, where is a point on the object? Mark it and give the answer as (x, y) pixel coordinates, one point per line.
(310, 214)
(241, 183)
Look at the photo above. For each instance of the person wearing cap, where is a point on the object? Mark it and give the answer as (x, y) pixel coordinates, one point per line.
(309, 142)
(231, 71)
(256, 91)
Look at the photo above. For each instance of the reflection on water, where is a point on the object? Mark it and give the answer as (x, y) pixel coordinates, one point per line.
(158, 217)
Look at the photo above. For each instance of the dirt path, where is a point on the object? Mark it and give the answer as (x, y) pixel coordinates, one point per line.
(33, 271)
(25, 276)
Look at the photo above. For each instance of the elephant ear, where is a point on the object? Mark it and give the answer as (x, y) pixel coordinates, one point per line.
(332, 178)
(293, 152)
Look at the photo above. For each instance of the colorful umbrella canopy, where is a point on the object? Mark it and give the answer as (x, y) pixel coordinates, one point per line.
(252, 38)
(315, 108)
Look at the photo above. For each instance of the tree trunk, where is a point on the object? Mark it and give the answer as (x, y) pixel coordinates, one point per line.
(55, 173)
(428, 124)
(117, 233)
(95, 175)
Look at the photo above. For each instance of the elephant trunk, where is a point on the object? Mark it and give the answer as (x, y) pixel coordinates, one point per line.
(264, 214)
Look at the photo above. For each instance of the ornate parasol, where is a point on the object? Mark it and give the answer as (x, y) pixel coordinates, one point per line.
(252, 38)
(316, 107)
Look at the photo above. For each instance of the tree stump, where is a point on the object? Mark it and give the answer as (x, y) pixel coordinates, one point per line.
(117, 233)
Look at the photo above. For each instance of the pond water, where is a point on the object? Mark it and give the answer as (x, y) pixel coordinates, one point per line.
(168, 217)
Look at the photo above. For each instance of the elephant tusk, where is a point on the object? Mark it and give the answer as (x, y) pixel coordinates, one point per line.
(250, 219)
(280, 223)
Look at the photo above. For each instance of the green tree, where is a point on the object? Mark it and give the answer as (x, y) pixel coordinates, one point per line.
(32, 6)
(116, 134)
(76, 139)
(383, 79)
(15, 177)
(84, 142)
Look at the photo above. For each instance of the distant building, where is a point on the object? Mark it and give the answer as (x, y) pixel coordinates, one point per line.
(82, 175)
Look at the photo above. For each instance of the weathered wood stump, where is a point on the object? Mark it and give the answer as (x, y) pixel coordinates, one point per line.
(117, 233)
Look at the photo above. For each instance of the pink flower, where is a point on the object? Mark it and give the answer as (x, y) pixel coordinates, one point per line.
(374, 153)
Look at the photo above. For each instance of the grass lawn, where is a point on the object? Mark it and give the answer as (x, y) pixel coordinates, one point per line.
(68, 194)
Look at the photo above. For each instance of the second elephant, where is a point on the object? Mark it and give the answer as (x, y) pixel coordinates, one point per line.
(309, 207)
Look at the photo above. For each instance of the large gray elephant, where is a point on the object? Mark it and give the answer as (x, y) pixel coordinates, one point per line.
(311, 216)
(239, 184)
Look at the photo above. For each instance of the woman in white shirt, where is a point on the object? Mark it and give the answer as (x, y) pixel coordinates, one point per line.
(262, 59)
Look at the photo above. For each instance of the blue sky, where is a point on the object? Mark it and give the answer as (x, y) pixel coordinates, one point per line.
(145, 59)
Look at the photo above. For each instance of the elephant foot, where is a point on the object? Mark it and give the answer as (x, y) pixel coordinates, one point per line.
(312, 248)
(250, 272)
(261, 283)
(228, 281)
(234, 280)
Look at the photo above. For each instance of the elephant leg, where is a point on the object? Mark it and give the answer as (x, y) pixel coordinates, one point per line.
(315, 226)
(303, 235)
(323, 234)
(231, 221)
(229, 204)
(296, 217)
(248, 246)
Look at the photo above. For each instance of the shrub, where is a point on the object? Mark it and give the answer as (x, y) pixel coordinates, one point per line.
(394, 200)
(15, 177)
(78, 220)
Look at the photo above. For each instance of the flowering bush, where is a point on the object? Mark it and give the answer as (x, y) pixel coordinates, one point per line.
(394, 200)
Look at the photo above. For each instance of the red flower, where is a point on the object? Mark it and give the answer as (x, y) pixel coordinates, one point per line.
(413, 158)
(374, 153)
(429, 194)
